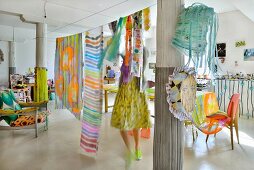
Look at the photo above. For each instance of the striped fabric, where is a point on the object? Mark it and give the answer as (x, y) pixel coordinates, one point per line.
(93, 85)
(68, 73)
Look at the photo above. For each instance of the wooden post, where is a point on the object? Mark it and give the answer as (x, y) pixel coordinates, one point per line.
(168, 135)
(106, 100)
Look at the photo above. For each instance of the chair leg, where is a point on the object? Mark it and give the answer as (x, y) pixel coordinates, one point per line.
(236, 126)
(231, 135)
(193, 135)
(36, 124)
(207, 138)
(236, 131)
(215, 135)
(47, 122)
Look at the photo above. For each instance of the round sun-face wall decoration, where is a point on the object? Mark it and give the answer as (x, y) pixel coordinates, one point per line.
(188, 90)
(181, 91)
(1, 56)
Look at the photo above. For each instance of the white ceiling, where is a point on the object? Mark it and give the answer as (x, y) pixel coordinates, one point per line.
(70, 15)
(73, 16)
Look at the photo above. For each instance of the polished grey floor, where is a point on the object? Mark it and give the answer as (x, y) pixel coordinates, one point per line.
(58, 148)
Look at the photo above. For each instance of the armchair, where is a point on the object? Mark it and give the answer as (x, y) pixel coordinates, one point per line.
(19, 115)
(210, 120)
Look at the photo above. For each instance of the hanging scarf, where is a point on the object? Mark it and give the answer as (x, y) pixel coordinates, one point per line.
(128, 51)
(111, 51)
(137, 60)
(146, 16)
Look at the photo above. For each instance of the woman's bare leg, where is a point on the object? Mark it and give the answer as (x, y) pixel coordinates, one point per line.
(125, 139)
(136, 134)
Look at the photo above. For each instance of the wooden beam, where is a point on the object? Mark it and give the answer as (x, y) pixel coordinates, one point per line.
(168, 132)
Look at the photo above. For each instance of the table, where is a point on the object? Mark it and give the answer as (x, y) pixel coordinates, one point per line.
(109, 79)
(108, 88)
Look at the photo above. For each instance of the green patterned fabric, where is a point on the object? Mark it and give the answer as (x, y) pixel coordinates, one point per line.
(130, 108)
(111, 51)
(198, 115)
(8, 102)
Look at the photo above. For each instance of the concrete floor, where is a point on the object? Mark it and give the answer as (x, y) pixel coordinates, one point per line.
(58, 148)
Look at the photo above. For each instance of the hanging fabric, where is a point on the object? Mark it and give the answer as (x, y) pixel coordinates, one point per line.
(111, 51)
(93, 84)
(195, 35)
(126, 66)
(113, 27)
(137, 59)
(41, 87)
(68, 73)
(146, 18)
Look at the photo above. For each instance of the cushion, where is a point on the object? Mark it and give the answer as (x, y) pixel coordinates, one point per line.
(9, 119)
(8, 102)
(27, 120)
(218, 115)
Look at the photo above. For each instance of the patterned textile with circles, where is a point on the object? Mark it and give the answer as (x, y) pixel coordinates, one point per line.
(68, 73)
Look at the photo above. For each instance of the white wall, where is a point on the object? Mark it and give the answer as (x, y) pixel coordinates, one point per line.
(25, 56)
(150, 44)
(233, 27)
(51, 49)
(25, 50)
(4, 66)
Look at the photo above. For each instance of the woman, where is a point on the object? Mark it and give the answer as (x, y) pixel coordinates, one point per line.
(130, 112)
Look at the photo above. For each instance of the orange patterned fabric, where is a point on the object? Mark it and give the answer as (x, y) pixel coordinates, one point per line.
(206, 114)
(128, 41)
(210, 104)
(68, 73)
(27, 120)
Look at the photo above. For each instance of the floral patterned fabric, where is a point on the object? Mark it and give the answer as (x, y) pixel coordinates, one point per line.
(130, 109)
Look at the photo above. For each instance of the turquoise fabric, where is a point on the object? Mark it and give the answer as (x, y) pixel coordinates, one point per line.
(8, 102)
(1, 102)
(195, 35)
(111, 51)
(52, 96)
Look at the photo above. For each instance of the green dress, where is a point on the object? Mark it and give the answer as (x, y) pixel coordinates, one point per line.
(130, 109)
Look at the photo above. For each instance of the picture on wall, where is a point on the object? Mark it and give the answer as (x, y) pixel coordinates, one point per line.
(221, 48)
(240, 43)
(249, 54)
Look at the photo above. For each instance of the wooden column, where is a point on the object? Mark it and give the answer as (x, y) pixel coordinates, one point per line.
(168, 135)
